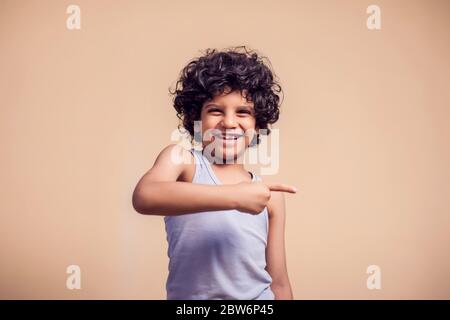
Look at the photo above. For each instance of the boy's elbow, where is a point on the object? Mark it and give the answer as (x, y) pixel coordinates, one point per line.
(141, 203)
(136, 201)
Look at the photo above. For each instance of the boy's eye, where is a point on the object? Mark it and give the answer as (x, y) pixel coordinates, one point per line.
(219, 111)
(245, 113)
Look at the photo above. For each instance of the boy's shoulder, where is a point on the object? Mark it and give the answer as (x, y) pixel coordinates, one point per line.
(177, 154)
(180, 156)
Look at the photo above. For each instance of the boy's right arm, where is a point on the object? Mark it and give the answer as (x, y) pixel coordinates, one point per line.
(159, 193)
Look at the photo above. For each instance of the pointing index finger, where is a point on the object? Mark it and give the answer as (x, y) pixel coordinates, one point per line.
(281, 187)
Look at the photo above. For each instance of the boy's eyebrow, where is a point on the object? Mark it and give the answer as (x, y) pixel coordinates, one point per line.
(218, 105)
(245, 107)
(212, 105)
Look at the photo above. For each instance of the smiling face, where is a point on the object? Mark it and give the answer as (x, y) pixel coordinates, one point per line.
(228, 122)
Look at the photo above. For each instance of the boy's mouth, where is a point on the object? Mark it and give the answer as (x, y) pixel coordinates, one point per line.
(229, 137)
(228, 140)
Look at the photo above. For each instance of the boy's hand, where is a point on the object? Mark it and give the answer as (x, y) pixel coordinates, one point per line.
(252, 197)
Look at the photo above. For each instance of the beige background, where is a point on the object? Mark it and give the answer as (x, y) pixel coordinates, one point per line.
(364, 136)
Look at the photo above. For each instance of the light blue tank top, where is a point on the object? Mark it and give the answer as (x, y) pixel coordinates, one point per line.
(217, 254)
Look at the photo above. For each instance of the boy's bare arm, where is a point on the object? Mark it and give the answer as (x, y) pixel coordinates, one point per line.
(275, 251)
(159, 193)
(175, 198)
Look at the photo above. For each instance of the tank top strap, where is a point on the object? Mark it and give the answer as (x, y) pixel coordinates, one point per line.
(202, 170)
(203, 165)
(197, 157)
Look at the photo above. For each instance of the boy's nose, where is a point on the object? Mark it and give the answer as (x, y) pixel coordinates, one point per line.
(229, 121)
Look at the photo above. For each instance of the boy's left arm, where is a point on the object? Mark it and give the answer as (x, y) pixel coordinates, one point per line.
(275, 251)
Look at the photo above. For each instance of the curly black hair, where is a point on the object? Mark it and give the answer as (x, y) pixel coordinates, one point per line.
(236, 68)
